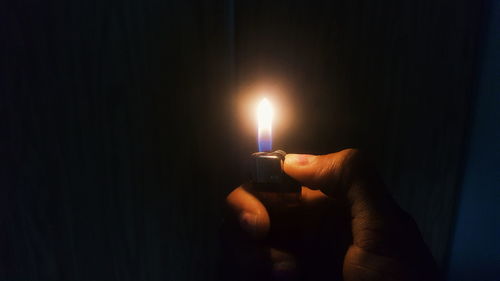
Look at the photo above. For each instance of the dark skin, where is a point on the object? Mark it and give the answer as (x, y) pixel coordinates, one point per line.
(347, 228)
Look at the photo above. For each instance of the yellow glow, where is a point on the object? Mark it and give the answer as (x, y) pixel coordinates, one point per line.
(265, 117)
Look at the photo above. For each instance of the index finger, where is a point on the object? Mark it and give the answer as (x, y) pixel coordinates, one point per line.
(251, 213)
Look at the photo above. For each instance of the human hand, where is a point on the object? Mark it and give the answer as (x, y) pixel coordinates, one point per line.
(348, 228)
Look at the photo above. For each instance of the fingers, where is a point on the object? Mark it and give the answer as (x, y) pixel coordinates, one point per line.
(331, 173)
(379, 227)
(284, 265)
(258, 260)
(341, 175)
(346, 176)
(252, 215)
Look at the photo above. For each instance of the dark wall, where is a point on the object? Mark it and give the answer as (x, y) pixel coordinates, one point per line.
(113, 139)
(126, 123)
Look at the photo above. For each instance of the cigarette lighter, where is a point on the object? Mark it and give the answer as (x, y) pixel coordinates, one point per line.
(277, 191)
(267, 173)
(268, 181)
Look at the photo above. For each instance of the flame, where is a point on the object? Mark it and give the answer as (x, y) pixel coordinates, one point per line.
(264, 121)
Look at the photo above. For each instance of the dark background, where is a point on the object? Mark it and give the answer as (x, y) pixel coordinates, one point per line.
(127, 122)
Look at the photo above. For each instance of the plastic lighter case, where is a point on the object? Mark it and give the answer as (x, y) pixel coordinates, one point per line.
(270, 183)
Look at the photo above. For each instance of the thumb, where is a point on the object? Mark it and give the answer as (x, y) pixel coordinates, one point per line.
(346, 176)
(335, 174)
(386, 240)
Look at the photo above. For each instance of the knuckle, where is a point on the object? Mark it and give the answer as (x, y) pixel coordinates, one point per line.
(352, 157)
(350, 164)
(337, 169)
(326, 171)
(344, 168)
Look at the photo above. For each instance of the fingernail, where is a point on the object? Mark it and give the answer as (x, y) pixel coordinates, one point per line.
(248, 222)
(299, 159)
